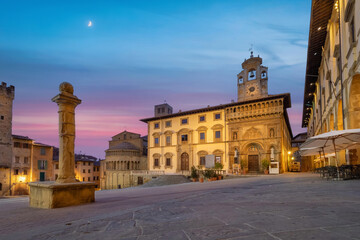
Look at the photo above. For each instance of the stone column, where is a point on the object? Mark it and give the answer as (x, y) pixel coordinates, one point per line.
(67, 103)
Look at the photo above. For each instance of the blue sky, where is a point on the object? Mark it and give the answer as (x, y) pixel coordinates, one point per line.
(140, 53)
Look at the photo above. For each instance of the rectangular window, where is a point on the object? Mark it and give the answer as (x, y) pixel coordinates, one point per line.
(202, 118)
(26, 160)
(89, 179)
(184, 121)
(42, 164)
(217, 116)
(184, 138)
(168, 162)
(156, 162)
(17, 144)
(83, 170)
(42, 151)
(16, 171)
(25, 145)
(202, 161)
(217, 134)
(89, 170)
(202, 136)
(17, 159)
(84, 163)
(25, 171)
(156, 140)
(57, 166)
(94, 178)
(97, 178)
(352, 31)
(2, 117)
(168, 123)
(89, 163)
(168, 140)
(83, 179)
(157, 125)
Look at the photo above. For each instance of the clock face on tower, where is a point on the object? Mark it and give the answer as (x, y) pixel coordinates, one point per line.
(252, 90)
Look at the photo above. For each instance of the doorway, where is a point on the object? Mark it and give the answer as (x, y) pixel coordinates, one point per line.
(184, 162)
(253, 163)
(42, 176)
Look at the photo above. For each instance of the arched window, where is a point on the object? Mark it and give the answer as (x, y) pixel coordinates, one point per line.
(252, 74)
(263, 74)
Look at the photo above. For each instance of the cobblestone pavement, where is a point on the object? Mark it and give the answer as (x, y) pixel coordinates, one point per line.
(287, 206)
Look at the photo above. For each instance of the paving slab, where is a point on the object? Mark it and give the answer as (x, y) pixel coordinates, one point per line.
(286, 206)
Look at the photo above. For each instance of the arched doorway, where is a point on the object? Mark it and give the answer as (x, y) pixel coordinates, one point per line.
(253, 158)
(184, 162)
(354, 102)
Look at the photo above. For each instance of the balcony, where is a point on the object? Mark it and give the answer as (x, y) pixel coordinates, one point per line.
(247, 114)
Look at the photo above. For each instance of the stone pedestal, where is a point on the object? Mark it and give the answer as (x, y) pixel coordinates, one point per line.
(57, 195)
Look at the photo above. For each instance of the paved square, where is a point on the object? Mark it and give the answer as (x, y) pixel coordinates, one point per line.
(287, 206)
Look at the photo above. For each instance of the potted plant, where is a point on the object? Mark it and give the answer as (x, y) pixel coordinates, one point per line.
(243, 166)
(265, 165)
(200, 173)
(219, 166)
(209, 174)
(194, 174)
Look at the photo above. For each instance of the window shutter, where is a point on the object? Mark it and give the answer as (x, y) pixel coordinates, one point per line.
(45, 164)
(39, 164)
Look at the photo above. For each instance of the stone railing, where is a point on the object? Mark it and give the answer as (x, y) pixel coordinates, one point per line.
(147, 172)
(254, 113)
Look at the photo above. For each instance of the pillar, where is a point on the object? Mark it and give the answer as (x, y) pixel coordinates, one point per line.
(67, 103)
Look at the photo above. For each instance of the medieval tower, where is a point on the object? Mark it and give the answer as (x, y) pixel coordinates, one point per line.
(252, 80)
(6, 102)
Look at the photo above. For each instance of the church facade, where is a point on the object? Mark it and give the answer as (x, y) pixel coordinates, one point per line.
(254, 128)
(125, 158)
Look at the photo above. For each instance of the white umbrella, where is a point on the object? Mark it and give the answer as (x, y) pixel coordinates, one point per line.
(333, 141)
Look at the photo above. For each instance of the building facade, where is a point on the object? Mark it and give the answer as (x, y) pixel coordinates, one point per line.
(87, 168)
(125, 160)
(254, 128)
(6, 102)
(332, 82)
(32, 162)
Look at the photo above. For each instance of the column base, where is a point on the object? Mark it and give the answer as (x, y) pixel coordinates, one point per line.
(57, 195)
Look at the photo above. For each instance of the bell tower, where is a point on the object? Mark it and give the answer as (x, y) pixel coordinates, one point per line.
(252, 81)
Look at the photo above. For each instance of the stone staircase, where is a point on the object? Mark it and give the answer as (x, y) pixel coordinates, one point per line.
(166, 180)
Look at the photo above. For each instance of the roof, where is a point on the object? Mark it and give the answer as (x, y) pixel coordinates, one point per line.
(301, 137)
(320, 14)
(126, 132)
(286, 96)
(21, 137)
(84, 158)
(124, 146)
(42, 144)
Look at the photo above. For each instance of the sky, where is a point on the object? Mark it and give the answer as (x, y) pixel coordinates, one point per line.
(141, 53)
